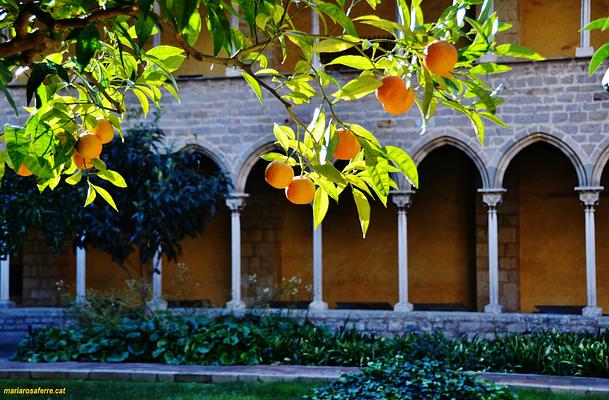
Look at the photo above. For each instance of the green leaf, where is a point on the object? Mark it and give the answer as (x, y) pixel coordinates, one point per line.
(143, 100)
(597, 59)
(320, 206)
(330, 172)
(284, 134)
(601, 23)
(17, 144)
(489, 68)
(478, 126)
(337, 15)
(192, 31)
(357, 62)
(363, 209)
(253, 84)
(514, 50)
(332, 46)
(90, 195)
(99, 164)
(278, 156)
(365, 134)
(113, 177)
(143, 29)
(484, 96)
(104, 193)
(358, 88)
(493, 118)
(87, 43)
(404, 163)
(74, 179)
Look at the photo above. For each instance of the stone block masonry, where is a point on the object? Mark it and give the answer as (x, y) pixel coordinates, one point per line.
(381, 323)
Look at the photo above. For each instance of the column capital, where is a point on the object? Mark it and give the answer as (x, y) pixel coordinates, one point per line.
(492, 197)
(402, 198)
(589, 195)
(236, 201)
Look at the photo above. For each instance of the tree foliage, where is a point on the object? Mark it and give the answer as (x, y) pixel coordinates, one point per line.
(168, 196)
(83, 57)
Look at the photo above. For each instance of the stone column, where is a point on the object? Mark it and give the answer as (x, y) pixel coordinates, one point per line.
(589, 198)
(488, 57)
(81, 274)
(236, 203)
(492, 198)
(157, 302)
(234, 23)
(584, 49)
(5, 300)
(315, 31)
(318, 304)
(402, 200)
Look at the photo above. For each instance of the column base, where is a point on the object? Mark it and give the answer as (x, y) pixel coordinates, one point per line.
(157, 304)
(493, 308)
(403, 307)
(235, 305)
(318, 306)
(7, 304)
(592, 311)
(584, 51)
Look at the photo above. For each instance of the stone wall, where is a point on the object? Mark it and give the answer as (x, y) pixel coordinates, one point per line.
(383, 323)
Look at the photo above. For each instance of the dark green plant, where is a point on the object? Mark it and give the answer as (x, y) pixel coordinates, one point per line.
(396, 378)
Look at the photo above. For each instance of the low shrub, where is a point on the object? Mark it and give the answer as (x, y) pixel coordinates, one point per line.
(254, 339)
(420, 379)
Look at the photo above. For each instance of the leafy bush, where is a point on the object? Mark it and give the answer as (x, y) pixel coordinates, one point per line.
(421, 379)
(253, 339)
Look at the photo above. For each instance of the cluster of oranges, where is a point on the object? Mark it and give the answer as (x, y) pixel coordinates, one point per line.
(88, 147)
(397, 97)
(301, 189)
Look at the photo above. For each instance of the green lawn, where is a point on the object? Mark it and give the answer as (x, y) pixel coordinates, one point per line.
(87, 390)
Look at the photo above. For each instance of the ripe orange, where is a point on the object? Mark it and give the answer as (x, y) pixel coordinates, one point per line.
(392, 90)
(440, 57)
(89, 146)
(395, 95)
(348, 146)
(279, 174)
(402, 106)
(81, 162)
(104, 131)
(301, 190)
(24, 170)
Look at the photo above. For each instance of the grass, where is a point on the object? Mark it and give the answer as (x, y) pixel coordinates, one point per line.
(90, 390)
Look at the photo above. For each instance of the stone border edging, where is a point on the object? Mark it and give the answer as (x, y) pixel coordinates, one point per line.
(144, 372)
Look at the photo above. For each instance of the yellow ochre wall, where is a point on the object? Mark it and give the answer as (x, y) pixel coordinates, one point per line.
(552, 245)
(441, 239)
(357, 269)
(207, 258)
(550, 27)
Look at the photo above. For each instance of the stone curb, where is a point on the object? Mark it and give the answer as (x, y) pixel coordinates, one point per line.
(260, 373)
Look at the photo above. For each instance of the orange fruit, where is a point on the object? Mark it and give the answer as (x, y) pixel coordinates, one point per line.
(279, 174)
(348, 146)
(81, 162)
(395, 95)
(393, 89)
(24, 170)
(301, 190)
(402, 106)
(89, 146)
(440, 57)
(104, 131)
